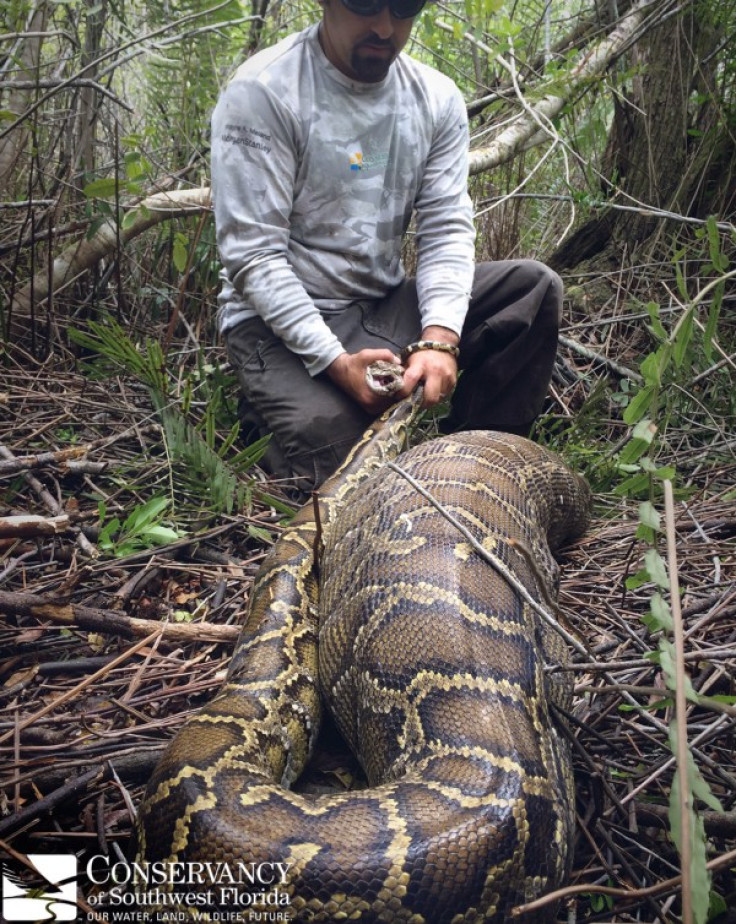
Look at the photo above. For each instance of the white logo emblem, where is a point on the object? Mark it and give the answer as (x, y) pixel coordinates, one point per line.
(54, 899)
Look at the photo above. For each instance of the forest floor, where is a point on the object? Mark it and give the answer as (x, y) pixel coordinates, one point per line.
(105, 653)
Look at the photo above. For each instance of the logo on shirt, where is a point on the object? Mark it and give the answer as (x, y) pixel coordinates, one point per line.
(370, 160)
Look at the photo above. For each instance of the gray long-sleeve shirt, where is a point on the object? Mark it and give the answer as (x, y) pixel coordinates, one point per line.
(315, 179)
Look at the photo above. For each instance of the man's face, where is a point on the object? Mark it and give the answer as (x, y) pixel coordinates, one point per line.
(362, 47)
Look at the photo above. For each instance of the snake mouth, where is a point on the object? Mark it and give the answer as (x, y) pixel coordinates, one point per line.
(384, 378)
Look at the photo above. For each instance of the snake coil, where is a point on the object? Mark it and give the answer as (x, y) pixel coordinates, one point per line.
(434, 671)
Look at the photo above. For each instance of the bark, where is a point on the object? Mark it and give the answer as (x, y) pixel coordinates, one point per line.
(25, 58)
(95, 14)
(664, 152)
(111, 622)
(28, 525)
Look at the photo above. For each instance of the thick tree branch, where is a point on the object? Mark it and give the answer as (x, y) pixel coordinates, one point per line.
(84, 254)
(526, 127)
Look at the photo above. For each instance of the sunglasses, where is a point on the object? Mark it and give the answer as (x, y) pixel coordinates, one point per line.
(399, 9)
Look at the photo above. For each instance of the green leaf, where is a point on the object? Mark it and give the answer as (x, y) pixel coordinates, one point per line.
(632, 452)
(160, 535)
(634, 486)
(660, 615)
(645, 430)
(129, 218)
(656, 568)
(642, 438)
(656, 706)
(682, 336)
(180, 255)
(650, 368)
(717, 256)
(634, 581)
(681, 284)
(143, 516)
(649, 515)
(639, 404)
(262, 535)
(135, 165)
(95, 225)
(696, 787)
(669, 670)
(711, 326)
(717, 907)
(649, 523)
(110, 529)
(101, 189)
(657, 326)
(696, 782)
(182, 616)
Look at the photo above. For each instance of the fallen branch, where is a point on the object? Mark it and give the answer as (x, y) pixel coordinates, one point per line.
(28, 526)
(666, 885)
(83, 685)
(527, 127)
(41, 460)
(70, 790)
(111, 622)
(51, 504)
(133, 766)
(717, 824)
(85, 253)
(617, 367)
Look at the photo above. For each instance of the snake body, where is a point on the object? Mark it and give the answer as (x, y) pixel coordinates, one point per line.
(434, 671)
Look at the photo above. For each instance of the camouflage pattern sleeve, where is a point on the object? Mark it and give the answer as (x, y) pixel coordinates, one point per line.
(445, 229)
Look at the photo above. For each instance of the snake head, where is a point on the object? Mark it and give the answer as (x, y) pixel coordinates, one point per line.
(384, 378)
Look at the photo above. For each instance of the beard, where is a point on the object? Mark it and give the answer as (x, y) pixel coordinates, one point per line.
(369, 65)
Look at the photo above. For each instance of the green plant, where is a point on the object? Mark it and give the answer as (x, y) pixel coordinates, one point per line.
(665, 625)
(202, 461)
(202, 469)
(142, 529)
(666, 393)
(644, 476)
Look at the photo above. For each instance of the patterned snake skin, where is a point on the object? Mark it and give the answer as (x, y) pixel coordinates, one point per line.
(434, 671)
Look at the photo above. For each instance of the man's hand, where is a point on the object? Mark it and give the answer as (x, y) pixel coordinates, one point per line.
(348, 372)
(437, 370)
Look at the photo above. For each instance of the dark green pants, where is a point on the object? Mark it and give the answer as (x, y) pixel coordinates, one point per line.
(507, 351)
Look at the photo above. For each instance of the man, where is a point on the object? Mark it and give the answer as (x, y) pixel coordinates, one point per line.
(323, 147)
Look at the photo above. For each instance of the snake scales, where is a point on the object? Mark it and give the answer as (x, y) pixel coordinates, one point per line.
(434, 672)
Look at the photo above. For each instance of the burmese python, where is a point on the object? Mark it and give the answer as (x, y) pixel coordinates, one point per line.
(433, 669)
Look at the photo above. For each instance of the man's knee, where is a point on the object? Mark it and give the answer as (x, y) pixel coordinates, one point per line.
(551, 284)
(517, 279)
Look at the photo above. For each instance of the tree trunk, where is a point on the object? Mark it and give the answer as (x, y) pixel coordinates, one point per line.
(664, 139)
(23, 61)
(94, 23)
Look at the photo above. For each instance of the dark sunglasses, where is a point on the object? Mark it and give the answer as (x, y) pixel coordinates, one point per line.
(399, 9)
